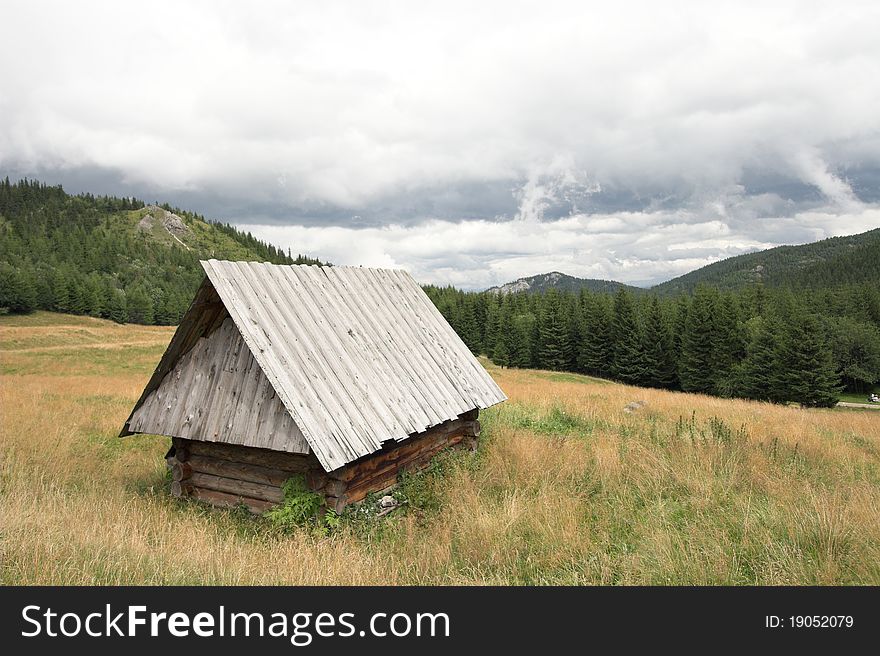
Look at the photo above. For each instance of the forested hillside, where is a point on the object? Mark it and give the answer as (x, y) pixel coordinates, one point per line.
(849, 260)
(768, 344)
(109, 257)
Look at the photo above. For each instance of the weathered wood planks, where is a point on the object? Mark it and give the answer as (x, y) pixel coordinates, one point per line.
(217, 392)
(291, 462)
(240, 470)
(380, 471)
(224, 500)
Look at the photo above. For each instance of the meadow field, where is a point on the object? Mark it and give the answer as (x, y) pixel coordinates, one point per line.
(566, 488)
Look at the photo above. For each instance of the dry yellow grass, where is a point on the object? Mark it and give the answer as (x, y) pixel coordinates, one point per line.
(567, 487)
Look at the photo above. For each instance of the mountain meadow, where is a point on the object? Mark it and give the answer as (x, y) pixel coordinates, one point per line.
(686, 434)
(576, 480)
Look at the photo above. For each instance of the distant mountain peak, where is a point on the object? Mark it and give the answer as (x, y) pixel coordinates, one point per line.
(832, 262)
(556, 280)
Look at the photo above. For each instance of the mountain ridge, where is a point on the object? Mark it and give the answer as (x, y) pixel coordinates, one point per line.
(834, 261)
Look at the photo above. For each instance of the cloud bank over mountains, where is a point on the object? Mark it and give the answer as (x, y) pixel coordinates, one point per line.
(470, 143)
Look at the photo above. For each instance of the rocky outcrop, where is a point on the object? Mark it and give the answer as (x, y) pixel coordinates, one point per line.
(174, 224)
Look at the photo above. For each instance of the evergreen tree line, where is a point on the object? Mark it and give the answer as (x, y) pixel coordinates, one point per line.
(83, 255)
(756, 343)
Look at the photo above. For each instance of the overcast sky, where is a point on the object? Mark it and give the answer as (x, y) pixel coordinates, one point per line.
(471, 143)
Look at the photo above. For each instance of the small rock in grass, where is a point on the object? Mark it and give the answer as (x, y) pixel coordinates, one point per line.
(387, 501)
(632, 406)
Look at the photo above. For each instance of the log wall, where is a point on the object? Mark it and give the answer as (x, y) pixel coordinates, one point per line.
(229, 475)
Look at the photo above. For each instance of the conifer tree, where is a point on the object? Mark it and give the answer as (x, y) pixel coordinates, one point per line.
(44, 296)
(501, 349)
(116, 306)
(596, 354)
(521, 344)
(17, 291)
(573, 331)
(629, 365)
(856, 348)
(468, 325)
(92, 297)
(659, 355)
(78, 298)
(493, 327)
(754, 376)
(698, 344)
(140, 306)
(678, 325)
(729, 347)
(554, 347)
(60, 291)
(804, 367)
(500, 355)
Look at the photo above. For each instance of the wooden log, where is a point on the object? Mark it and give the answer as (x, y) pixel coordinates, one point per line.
(316, 478)
(234, 486)
(419, 460)
(181, 453)
(292, 462)
(334, 488)
(181, 489)
(225, 500)
(358, 492)
(386, 476)
(181, 471)
(239, 470)
(402, 456)
(379, 476)
(336, 503)
(400, 451)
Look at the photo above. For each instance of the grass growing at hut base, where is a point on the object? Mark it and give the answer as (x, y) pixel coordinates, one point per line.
(566, 487)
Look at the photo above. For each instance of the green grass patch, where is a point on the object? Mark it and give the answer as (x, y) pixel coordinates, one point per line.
(862, 397)
(563, 377)
(557, 421)
(43, 318)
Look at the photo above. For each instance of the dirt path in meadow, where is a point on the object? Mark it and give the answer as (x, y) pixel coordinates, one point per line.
(847, 404)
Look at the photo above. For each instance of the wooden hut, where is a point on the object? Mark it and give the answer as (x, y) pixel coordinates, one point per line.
(344, 375)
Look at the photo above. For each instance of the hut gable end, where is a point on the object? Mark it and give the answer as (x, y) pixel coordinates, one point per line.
(217, 392)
